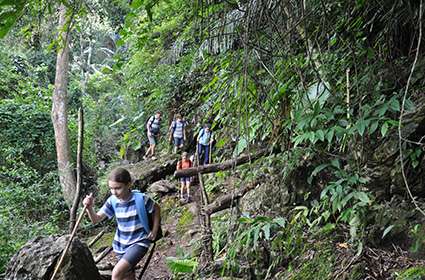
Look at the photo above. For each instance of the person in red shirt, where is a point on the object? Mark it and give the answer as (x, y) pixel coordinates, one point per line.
(184, 163)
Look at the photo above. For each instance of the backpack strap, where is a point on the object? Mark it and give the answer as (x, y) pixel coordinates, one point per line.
(150, 121)
(140, 208)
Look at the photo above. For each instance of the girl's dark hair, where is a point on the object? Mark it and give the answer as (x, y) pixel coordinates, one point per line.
(120, 175)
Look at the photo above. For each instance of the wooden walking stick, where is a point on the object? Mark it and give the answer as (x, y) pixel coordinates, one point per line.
(209, 154)
(74, 231)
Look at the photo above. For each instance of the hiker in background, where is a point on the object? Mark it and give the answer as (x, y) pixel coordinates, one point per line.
(184, 163)
(177, 132)
(133, 235)
(204, 140)
(153, 126)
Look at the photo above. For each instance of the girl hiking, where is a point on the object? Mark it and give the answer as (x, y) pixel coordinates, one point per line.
(133, 235)
(204, 140)
(177, 132)
(184, 163)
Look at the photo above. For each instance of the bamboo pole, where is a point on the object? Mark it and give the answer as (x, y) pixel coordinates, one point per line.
(76, 201)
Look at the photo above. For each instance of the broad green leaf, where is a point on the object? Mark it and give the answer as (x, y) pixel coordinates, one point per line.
(330, 135)
(335, 163)
(373, 127)
(181, 265)
(384, 129)
(395, 104)
(118, 121)
(387, 230)
(361, 126)
(318, 169)
(280, 221)
(363, 197)
(266, 230)
(321, 135)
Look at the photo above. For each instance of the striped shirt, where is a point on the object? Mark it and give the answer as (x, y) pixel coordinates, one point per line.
(129, 230)
(154, 124)
(178, 127)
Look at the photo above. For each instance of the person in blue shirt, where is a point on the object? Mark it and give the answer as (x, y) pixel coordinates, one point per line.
(133, 236)
(204, 140)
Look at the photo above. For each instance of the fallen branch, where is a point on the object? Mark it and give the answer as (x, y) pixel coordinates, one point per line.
(102, 255)
(96, 238)
(227, 200)
(210, 168)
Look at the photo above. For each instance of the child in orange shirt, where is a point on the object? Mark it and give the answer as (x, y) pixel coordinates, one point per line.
(184, 163)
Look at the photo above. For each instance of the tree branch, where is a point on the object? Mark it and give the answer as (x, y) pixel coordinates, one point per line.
(226, 201)
(211, 168)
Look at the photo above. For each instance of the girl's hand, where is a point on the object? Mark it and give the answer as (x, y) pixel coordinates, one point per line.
(88, 200)
(152, 235)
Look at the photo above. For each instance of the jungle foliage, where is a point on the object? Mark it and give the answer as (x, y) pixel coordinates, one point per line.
(323, 83)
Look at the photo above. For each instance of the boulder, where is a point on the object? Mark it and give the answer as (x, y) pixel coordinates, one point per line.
(37, 260)
(162, 186)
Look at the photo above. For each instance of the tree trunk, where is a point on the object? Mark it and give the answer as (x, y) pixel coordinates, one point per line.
(210, 168)
(59, 112)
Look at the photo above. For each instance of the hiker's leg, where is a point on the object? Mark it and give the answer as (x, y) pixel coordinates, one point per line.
(188, 187)
(121, 270)
(152, 150)
(199, 153)
(148, 151)
(206, 154)
(152, 142)
(124, 269)
(181, 188)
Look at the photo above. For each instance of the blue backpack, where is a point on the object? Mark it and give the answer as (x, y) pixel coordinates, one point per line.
(145, 217)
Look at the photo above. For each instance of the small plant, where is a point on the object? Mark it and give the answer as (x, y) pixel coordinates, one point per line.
(417, 234)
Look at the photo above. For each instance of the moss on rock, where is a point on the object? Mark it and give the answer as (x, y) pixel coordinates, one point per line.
(413, 273)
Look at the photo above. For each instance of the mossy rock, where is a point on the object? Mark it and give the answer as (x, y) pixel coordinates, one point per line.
(413, 273)
(319, 267)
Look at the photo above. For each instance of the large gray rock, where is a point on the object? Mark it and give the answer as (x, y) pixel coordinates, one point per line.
(150, 171)
(162, 186)
(37, 260)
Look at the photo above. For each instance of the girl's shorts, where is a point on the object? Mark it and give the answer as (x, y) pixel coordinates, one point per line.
(133, 254)
(185, 179)
(178, 141)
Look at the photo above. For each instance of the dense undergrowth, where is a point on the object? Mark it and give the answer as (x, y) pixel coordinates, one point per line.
(321, 84)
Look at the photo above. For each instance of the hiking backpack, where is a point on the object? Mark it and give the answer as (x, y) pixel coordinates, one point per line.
(145, 217)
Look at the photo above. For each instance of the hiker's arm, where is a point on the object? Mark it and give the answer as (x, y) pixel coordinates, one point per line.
(156, 220)
(184, 133)
(148, 127)
(94, 217)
